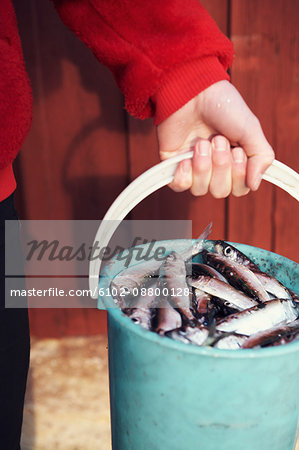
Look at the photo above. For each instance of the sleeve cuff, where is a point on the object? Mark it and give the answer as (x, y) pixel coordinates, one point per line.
(184, 83)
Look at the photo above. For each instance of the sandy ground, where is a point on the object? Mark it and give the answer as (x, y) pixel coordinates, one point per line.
(67, 399)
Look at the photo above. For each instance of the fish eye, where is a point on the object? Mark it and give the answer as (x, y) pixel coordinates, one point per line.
(227, 251)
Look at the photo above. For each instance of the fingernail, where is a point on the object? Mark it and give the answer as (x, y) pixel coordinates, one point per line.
(219, 143)
(204, 148)
(257, 182)
(186, 166)
(238, 155)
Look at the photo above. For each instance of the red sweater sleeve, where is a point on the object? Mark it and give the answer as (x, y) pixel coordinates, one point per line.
(161, 52)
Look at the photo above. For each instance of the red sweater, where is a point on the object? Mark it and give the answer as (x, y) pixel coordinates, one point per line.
(161, 53)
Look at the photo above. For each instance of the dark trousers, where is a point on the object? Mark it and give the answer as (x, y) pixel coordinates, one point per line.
(14, 350)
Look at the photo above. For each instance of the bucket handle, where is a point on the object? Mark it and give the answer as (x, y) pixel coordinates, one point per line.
(153, 179)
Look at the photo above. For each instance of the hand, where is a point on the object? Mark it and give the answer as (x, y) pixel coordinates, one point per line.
(210, 124)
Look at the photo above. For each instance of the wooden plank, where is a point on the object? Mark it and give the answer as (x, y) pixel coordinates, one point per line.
(253, 73)
(74, 161)
(165, 204)
(264, 71)
(219, 10)
(286, 119)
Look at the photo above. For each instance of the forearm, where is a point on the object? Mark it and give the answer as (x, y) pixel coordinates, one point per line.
(155, 49)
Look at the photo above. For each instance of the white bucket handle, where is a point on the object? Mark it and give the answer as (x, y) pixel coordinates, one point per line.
(153, 179)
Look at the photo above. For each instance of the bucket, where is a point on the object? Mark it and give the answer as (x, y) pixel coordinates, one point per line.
(166, 395)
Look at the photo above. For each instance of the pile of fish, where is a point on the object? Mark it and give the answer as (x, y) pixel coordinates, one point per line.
(226, 301)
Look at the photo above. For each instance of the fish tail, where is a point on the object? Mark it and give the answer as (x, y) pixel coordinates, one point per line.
(197, 247)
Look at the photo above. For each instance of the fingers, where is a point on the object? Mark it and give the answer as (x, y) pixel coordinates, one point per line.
(202, 167)
(239, 164)
(183, 177)
(221, 181)
(259, 152)
(215, 168)
(195, 174)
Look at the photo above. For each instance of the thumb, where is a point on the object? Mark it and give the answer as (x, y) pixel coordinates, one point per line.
(259, 152)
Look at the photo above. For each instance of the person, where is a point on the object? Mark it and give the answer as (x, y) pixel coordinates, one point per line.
(170, 61)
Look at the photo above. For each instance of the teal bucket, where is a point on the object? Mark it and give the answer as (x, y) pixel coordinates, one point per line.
(166, 395)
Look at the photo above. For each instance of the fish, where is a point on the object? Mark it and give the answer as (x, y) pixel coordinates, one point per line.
(198, 245)
(173, 280)
(232, 253)
(234, 298)
(227, 302)
(273, 286)
(202, 302)
(142, 316)
(237, 275)
(167, 318)
(286, 339)
(232, 341)
(142, 308)
(204, 269)
(223, 308)
(260, 317)
(133, 278)
(294, 295)
(189, 335)
(276, 334)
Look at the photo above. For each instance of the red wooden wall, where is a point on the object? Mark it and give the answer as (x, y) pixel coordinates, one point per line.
(83, 148)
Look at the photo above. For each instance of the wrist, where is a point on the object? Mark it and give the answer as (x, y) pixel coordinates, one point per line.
(184, 83)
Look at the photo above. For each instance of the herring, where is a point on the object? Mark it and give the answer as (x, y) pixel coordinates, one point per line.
(260, 317)
(135, 277)
(273, 335)
(237, 275)
(218, 288)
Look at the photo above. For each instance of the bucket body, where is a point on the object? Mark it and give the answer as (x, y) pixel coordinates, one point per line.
(166, 395)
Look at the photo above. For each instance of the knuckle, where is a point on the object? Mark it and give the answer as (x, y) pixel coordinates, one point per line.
(254, 121)
(271, 154)
(202, 169)
(223, 163)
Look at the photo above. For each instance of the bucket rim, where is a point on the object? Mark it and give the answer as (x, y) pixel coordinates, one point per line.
(171, 344)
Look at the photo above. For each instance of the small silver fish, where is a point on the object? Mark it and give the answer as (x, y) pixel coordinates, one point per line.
(231, 342)
(237, 275)
(273, 335)
(173, 280)
(231, 252)
(202, 301)
(133, 278)
(260, 317)
(167, 318)
(204, 269)
(138, 275)
(189, 335)
(142, 316)
(217, 288)
(273, 286)
(142, 309)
